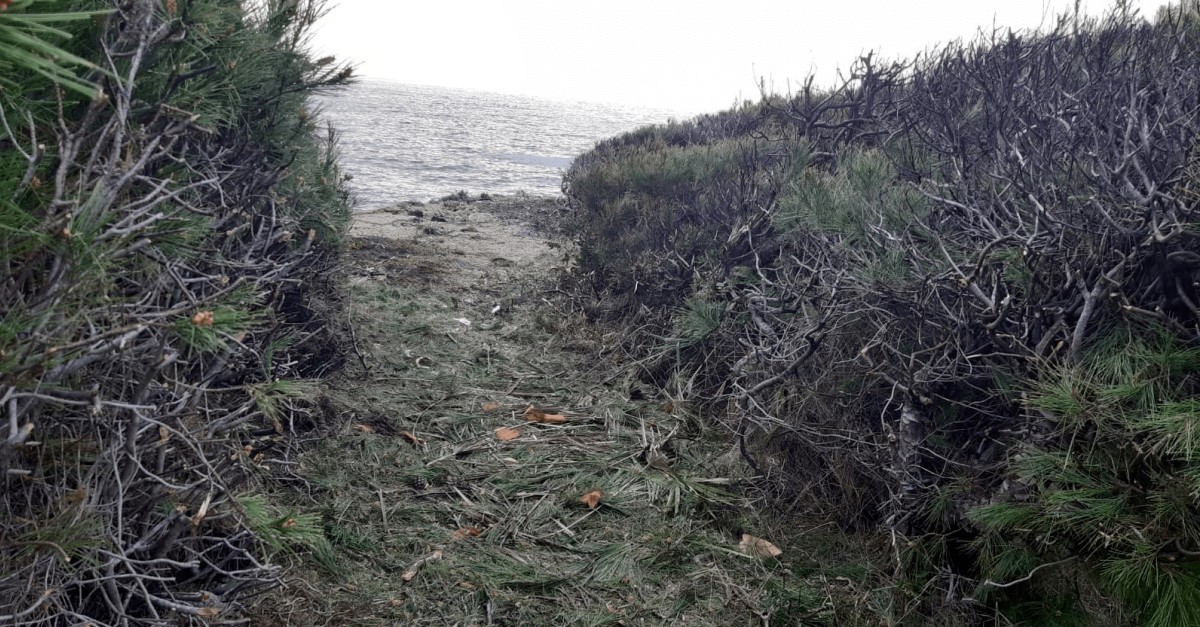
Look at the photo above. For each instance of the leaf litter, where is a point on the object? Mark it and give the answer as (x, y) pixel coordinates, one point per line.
(481, 523)
(506, 434)
(592, 498)
(533, 414)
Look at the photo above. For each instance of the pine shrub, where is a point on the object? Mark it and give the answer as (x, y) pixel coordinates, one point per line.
(958, 305)
(167, 203)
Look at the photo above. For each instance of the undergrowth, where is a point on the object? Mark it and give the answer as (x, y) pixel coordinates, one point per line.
(429, 518)
(951, 299)
(167, 205)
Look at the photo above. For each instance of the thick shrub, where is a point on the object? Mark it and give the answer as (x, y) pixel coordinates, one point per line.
(929, 256)
(158, 237)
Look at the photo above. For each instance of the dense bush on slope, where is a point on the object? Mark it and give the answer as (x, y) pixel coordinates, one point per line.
(157, 242)
(955, 299)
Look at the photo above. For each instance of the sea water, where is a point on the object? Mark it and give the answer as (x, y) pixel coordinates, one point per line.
(409, 142)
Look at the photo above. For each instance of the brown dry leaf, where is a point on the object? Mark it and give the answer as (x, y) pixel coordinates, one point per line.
(591, 499)
(466, 532)
(504, 434)
(203, 319)
(490, 406)
(533, 414)
(361, 428)
(208, 612)
(757, 547)
(412, 570)
(407, 435)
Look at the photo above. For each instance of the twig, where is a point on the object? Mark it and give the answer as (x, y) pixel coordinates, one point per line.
(1033, 572)
(354, 341)
(412, 570)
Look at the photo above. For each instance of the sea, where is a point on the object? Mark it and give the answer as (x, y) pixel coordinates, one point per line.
(413, 142)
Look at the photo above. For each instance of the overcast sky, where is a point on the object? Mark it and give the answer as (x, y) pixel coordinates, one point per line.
(686, 55)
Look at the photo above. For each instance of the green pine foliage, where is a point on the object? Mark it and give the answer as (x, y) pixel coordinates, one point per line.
(957, 302)
(281, 531)
(668, 190)
(36, 42)
(168, 197)
(1115, 485)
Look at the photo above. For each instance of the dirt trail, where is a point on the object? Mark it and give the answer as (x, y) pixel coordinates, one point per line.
(468, 241)
(441, 504)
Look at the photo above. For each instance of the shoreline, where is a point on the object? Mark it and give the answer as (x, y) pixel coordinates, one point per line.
(439, 217)
(464, 197)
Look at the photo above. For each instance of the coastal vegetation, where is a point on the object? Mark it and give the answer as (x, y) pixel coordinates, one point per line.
(919, 348)
(951, 302)
(490, 463)
(166, 204)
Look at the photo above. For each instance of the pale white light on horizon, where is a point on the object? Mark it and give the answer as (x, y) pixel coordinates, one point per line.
(684, 55)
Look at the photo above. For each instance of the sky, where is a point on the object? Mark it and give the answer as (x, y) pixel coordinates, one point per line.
(688, 56)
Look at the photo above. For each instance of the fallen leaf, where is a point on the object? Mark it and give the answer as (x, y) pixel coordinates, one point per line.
(533, 414)
(407, 435)
(591, 499)
(412, 570)
(203, 319)
(504, 434)
(757, 547)
(490, 406)
(466, 532)
(208, 612)
(361, 428)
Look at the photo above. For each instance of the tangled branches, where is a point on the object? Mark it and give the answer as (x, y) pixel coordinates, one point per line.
(927, 248)
(154, 253)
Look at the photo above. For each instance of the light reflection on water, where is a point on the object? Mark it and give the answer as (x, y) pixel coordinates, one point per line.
(407, 142)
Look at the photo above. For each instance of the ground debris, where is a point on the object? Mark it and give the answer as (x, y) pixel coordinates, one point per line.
(533, 414)
(758, 547)
(546, 523)
(412, 571)
(505, 434)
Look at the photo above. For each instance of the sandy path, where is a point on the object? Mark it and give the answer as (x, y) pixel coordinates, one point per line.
(442, 503)
(466, 245)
